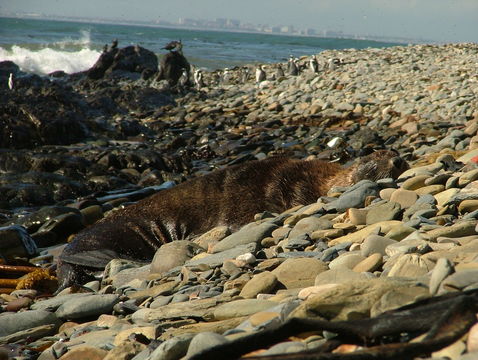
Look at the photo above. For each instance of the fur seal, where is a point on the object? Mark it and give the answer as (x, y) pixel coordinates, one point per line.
(230, 196)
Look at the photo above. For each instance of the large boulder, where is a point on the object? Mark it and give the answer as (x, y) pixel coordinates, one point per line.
(172, 66)
(134, 59)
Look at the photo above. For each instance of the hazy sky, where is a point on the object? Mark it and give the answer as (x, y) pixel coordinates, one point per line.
(439, 20)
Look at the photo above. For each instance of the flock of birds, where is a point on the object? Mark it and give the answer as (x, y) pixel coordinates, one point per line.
(226, 76)
(294, 67)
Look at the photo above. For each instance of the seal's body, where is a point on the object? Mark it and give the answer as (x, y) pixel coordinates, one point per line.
(231, 196)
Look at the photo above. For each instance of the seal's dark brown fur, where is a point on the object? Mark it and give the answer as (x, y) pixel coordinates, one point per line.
(230, 196)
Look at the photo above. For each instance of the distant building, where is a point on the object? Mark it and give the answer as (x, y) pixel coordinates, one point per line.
(287, 29)
(233, 23)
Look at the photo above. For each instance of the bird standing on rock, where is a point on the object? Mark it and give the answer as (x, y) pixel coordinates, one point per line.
(260, 74)
(198, 78)
(175, 45)
(314, 64)
(10, 81)
(292, 67)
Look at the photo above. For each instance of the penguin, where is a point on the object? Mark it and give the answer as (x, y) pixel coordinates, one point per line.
(245, 74)
(198, 78)
(10, 81)
(226, 76)
(292, 67)
(114, 44)
(332, 64)
(280, 71)
(184, 79)
(314, 64)
(260, 73)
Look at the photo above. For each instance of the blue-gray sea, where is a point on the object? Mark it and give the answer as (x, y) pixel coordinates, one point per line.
(44, 46)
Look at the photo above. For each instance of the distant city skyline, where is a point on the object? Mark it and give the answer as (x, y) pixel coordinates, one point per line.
(435, 20)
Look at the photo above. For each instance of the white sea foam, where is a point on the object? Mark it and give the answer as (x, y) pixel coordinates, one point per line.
(47, 60)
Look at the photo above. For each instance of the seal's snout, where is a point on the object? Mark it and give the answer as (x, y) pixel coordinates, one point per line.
(398, 164)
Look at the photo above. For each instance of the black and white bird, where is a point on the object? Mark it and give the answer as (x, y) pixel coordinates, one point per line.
(114, 44)
(10, 81)
(184, 79)
(198, 78)
(332, 63)
(314, 64)
(292, 66)
(226, 76)
(279, 71)
(260, 73)
(175, 45)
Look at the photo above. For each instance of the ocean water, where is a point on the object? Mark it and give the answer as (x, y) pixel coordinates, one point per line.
(44, 46)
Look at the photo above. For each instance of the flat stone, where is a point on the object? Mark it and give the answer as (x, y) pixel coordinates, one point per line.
(218, 259)
(308, 225)
(458, 281)
(261, 283)
(346, 260)
(288, 347)
(299, 273)
(203, 341)
(173, 254)
(360, 235)
(375, 244)
(411, 265)
(408, 247)
(464, 228)
(251, 233)
(444, 196)
(125, 350)
(15, 322)
(85, 352)
(442, 269)
(386, 194)
(196, 309)
(354, 196)
(238, 308)
(350, 300)
(399, 297)
(468, 177)
(370, 264)
(314, 290)
(383, 212)
(212, 237)
(262, 317)
(430, 189)
(405, 198)
(467, 206)
(357, 216)
(151, 332)
(338, 276)
(415, 182)
(172, 349)
(87, 306)
(399, 232)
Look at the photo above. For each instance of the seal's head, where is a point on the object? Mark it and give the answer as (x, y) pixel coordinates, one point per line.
(379, 165)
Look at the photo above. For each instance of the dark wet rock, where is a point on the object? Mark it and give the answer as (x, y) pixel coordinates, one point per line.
(6, 68)
(15, 241)
(61, 226)
(131, 58)
(171, 67)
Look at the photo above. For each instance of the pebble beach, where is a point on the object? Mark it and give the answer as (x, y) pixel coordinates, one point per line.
(74, 150)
